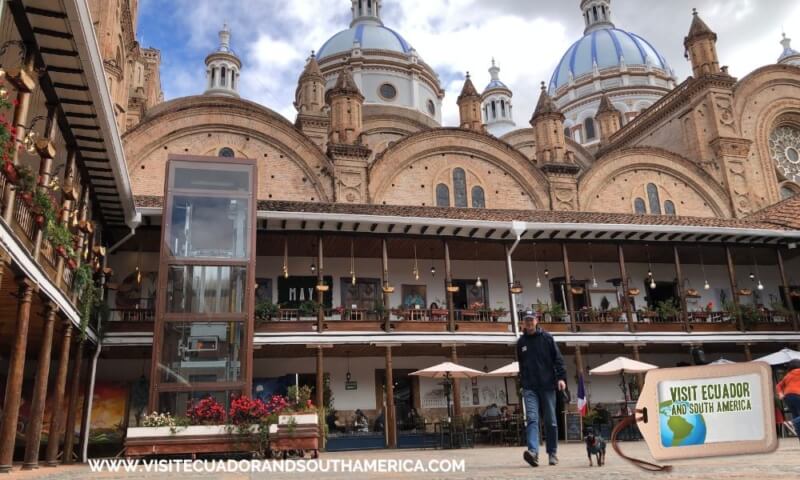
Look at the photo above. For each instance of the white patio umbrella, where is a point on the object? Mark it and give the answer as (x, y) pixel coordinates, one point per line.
(448, 371)
(721, 361)
(785, 355)
(621, 366)
(510, 370)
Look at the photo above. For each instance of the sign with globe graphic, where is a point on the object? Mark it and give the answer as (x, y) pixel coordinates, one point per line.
(680, 430)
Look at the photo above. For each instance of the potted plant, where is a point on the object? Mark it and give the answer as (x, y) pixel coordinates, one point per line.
(207, 411)
(667, 309)
(556, 312)
(498, 313)
(308, 308)
(61, 238)
(265, 310)
(42, 207)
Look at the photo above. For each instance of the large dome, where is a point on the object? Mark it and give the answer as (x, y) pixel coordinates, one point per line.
(368, 36)
(606, 48)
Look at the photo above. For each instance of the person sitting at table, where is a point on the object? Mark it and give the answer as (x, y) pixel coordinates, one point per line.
(412, 418)
(360, 422)
(504, 415)
(434, 306)
(491, 411)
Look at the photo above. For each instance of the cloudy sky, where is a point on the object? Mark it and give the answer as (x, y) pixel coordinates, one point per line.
(527, 37)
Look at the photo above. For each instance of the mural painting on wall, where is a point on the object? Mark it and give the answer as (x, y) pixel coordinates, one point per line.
(294, 291)
(137, 290)
(414, 296)
(109, 407)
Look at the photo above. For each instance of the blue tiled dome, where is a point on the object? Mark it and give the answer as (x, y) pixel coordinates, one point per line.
(606, 47)
(370, 36)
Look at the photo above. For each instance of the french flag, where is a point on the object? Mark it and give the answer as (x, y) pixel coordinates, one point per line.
(582, 406)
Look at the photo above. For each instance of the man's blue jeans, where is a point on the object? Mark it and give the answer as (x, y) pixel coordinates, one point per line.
(547, 400)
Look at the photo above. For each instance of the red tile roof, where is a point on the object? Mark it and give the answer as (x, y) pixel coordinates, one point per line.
(785, 214)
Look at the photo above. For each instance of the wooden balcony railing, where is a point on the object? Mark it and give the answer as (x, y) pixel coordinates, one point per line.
(131, 315)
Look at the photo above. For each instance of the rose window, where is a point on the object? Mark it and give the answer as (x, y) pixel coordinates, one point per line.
(784, 147)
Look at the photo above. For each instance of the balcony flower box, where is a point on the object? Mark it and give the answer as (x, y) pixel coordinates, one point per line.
(72, 264)
(295, 431)
(10, 171)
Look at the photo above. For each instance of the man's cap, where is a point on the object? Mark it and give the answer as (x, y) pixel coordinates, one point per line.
(529, 314)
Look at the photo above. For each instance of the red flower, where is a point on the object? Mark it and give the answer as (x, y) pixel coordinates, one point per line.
(245, 410)
(207, 411)
(15, 102)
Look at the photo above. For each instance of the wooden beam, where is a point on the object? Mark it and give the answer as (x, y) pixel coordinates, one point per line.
(439, 230)
(51, 33)
(407, 229)
(391, 228)
(505, 234)
(423, 229)
(490, 233)
(456, 231)
(473, 232)
(373, 227)
(42, 12)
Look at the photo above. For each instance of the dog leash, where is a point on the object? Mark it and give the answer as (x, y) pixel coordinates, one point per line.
(627, 422)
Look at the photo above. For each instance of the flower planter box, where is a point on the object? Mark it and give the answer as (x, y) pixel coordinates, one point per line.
(10, 171)
(300, 434)
(191, 440)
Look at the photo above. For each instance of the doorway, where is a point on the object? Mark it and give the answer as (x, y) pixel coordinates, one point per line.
(404, 395)
(664, 292)
(469, 294)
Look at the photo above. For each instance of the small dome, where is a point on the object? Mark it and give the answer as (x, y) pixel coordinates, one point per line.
(606, 48)
(789, 55)
(368, 36)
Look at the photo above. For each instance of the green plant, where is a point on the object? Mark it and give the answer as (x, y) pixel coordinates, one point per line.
(556, 311)
(26, 179)
(308, 308)
(265, 310)
(667, 309)
(90, 297)
(43, 205)
(291, 425)
(59, 235)
(379, 309)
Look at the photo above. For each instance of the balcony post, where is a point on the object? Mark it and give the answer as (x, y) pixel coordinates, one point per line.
(320, 293)
(33, 431)
(748, 355)
(16, 369)
(448, 282)
(57, 418)
(387, 297)
(568, 285)
(681, 291)
(66, 209)
(320, 393)
(389, 415)
(456, 392)
(82, 237)
(639, 376)
(45, 168)
(785, 287)
(72, 405)
(734, 288)
(626, 299)
(19, 120)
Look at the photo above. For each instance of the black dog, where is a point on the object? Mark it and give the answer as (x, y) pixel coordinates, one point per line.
(595, 445)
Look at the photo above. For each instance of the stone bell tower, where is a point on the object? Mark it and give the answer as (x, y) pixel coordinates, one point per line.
(551, 153)
(345, 149)
(469, 107)
(312, 112)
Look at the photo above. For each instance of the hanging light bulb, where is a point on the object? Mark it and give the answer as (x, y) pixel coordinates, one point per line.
(415, 271)
(313, 268)
(752, 276)
(138, 276)
(538, 282)
(416, 274)
(591, 267)
(478, 282)
(706, 286)
(546, 272)
(3, 93)
(352, 264)
(760, 285)
(594, 282)
(649, 273)
(353, 278)
(285, 257)
(433, 271)
(652, 283)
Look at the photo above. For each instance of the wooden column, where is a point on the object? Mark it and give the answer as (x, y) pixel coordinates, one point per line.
(681, 290)
(448, 281)
(568, 286)
(734, 288)
(748, 355)
(389, 415)
(33, 431)
(16, 369)
(785, 288)
(45, 167)
(387, 297)
(20, 118)
(626, 300)
(57, 403)
(639, 376)
(578, 362)
(320, 395)
(456, 391)
(72, 405)
(320, 293)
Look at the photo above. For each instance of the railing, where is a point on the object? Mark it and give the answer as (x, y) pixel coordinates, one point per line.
(24, 218)
(131, 315)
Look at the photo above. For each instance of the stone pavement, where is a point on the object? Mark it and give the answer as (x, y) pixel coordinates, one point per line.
(504, 463)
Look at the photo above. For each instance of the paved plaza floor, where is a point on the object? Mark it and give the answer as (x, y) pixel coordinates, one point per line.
(502, 463)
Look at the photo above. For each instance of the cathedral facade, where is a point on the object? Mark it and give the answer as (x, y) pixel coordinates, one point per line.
(613, 131)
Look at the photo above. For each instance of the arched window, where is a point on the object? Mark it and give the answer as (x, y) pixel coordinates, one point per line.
(639, 207)
(494, 110)
(669, 207)
(442, 195)
(503, 108)
(460, 187)
(233, 79)
(223, 76)
(787, 192)
(478, 197)
(213, 76)
(653, 199)
(226, 152)
(566, 132)
(594, 10)
(588, 125)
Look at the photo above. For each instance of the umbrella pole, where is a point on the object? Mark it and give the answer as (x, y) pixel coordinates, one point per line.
(447, 390)
(623, 386)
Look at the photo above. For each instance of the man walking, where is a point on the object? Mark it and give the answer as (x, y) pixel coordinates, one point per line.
(541, 369)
